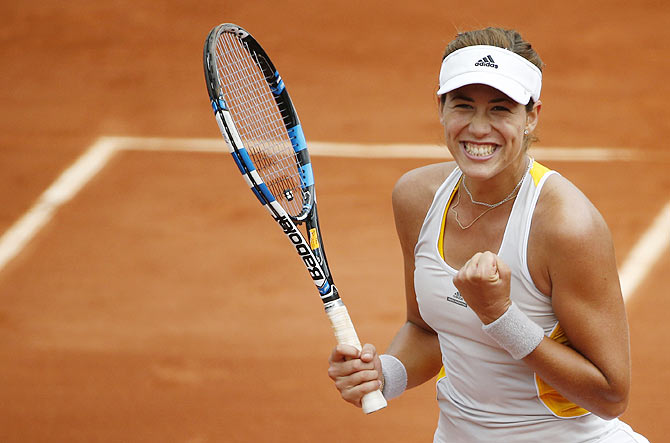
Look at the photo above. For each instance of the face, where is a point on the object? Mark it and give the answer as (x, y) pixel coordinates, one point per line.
(484, 130)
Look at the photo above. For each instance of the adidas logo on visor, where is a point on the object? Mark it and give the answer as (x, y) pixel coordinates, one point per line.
(488, 62)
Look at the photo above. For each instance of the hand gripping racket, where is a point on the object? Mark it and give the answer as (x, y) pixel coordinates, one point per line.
(262, 130)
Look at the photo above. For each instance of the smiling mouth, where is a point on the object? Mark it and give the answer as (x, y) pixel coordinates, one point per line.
(479, 150)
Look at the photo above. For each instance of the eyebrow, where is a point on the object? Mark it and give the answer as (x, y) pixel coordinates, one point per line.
(470, 99)
(502, 99)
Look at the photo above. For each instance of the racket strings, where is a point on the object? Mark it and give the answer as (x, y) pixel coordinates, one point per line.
(251, 106)
(259, 121)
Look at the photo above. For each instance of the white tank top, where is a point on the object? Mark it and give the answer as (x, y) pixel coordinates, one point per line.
(484, 395)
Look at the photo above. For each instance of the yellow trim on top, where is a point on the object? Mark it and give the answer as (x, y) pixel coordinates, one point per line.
(537, 171)
(555, 402)
(440, 248)
(440, 240)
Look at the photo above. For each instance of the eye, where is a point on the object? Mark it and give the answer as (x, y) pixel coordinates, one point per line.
(501, 108)
(462, 106)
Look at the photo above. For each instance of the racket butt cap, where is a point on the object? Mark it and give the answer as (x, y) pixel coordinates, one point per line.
(373, 401)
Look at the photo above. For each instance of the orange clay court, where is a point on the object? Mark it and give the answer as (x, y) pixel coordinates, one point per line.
(153, 300)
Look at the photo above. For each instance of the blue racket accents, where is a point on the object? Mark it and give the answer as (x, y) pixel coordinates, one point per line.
(325, 289)
(277, 84)
(219, 105)
(247, 168)
(242, 160)
(297, 138)
(238, 162)
(244, 157)
(238, 45)
(258, 195)
(307, 175)
(300, 147)
(266, 193)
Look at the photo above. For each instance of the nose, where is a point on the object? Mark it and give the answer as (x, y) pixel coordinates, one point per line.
(480, 125)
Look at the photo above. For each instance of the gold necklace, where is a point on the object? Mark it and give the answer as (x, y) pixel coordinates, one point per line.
(489, 206)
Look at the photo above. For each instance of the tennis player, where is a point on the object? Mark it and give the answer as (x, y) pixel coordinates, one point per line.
(513, 295)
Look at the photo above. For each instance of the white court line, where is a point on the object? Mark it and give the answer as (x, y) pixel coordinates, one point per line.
(63, 189)
(646, 252)
(370, 150)
(441, 152)
(634, 270)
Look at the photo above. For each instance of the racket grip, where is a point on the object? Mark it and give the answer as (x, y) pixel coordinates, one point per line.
(346, 334)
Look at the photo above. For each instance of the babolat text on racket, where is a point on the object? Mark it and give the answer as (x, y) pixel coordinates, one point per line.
(261, 128)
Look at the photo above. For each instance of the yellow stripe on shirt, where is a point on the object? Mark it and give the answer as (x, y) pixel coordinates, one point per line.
(537, 171)
(440, 241)
(555, 402)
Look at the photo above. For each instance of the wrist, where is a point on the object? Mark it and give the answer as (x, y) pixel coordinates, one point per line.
(515, 332)
(394, 376)
(500, 311)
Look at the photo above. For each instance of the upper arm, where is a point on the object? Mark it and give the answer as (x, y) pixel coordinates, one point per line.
(415, 344)
(578, 253)
(412, 197)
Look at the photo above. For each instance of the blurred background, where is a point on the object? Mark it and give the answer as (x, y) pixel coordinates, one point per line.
(133, 315)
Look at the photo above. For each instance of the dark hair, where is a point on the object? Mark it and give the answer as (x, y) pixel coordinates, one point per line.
(503, 38)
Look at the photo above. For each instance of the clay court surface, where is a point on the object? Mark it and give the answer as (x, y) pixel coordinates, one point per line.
(161, 304)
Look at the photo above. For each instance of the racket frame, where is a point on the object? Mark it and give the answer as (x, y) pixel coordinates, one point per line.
(311, 252)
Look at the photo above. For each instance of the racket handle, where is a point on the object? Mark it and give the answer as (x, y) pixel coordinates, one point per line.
(346, 334)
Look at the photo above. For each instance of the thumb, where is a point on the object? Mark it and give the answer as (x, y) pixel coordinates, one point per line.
(368, 352)
(489, 266)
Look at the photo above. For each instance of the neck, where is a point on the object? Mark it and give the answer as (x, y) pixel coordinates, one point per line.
(498, 188)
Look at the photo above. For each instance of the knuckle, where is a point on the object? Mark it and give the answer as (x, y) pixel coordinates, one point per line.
(365, 376)
(341, 385)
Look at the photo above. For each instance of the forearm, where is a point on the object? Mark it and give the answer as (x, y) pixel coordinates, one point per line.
(419, 351)
(579, 380)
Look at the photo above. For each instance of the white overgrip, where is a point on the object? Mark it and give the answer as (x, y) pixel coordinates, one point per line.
(346, 334)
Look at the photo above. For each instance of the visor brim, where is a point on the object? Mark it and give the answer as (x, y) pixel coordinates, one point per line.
(500, 82)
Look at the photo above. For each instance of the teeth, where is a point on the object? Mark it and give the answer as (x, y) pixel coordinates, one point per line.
(479, 150)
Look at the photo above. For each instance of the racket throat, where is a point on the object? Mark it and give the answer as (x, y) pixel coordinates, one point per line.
(331, 299)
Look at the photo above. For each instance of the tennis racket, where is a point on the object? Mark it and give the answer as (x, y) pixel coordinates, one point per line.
(261, 128)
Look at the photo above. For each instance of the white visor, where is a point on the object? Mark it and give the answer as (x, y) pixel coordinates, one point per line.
(497, 67)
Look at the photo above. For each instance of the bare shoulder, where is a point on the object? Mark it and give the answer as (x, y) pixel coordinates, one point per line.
(570, 242)
(564, 213)
(413, 195)
(416, 188)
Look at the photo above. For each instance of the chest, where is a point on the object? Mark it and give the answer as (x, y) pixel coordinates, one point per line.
(470, 230)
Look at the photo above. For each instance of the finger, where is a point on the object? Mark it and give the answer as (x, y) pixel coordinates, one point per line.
(489, 267)
(342, 353)
(495, 276)
(368, 353)
(347, 368)
(472, 264)
(356, 379)
(354, 394)
(467, 269)
(491, 276)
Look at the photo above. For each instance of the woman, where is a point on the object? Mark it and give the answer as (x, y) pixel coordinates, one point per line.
(531, 340)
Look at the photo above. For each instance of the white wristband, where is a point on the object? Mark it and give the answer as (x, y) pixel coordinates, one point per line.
(515, 332)
(395, 376)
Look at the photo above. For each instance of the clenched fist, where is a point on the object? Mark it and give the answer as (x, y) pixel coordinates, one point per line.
(484, 283)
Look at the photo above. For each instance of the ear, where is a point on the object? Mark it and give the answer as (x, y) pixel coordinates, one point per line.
(533, 117)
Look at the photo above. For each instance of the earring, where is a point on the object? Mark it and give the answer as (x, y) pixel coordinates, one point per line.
(525, 131)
